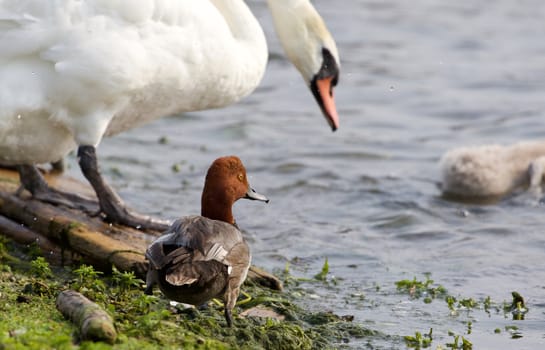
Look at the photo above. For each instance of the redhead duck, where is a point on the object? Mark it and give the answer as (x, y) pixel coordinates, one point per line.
(75, 71)
(203, 257)
(492, 171)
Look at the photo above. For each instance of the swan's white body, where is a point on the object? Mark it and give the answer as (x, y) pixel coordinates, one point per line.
(72, 71)
(492, 170)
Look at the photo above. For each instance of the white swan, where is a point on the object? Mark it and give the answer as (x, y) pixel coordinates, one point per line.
(72, 71)
(492, 171)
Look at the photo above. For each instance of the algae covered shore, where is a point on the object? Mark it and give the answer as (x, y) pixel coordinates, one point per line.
(267, 320)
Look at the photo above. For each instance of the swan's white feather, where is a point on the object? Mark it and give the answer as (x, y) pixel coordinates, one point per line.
(72, 71)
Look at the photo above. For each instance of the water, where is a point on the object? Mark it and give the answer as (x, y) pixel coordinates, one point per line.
(418, 78)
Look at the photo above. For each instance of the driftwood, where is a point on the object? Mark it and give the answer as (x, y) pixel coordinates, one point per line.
(264, 278)
(23, 235)
(78, 234)
(64, 233)
(92, 321)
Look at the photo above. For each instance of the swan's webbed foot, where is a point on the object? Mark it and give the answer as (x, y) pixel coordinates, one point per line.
(111, 205)
(33, 181)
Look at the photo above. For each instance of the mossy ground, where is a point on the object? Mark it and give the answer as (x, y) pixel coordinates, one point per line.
(29, 319)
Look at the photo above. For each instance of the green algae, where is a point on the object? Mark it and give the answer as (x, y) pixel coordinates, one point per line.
(459, 342)
(29, 319)
(517, 307)
(419, 340)
(322, 275)
(470, 307)
(425, 289)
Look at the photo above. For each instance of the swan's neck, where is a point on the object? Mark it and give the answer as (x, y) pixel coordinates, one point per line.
(240, 19)
(303, 35)
(249, 54)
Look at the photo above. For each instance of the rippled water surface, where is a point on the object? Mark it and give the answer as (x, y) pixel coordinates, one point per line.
(418, 78)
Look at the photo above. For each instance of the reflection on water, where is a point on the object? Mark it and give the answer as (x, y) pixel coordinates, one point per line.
(418, 78)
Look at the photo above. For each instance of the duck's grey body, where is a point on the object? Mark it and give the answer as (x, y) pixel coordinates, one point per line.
(198, 259)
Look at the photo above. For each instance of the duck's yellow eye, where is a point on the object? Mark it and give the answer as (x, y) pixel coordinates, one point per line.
(241, 177)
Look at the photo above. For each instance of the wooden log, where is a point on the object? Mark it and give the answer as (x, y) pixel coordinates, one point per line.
(70, 231)
(22, 235)
(264, 278)
(92, 321)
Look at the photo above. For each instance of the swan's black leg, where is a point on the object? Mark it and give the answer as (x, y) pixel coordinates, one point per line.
(111, 205)
(33, 181)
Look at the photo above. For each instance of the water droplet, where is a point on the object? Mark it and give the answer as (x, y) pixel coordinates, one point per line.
(392, 88)
(35, 218)
(19, 116)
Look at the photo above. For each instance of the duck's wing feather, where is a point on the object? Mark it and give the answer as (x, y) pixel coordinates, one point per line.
(192, 239)
(193, 246)
(198, 272)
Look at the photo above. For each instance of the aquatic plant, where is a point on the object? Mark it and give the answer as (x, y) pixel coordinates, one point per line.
(459, 342)
(322, 275)
(517, 307)
(40, 268)
(125, 280)
(88, 283)
(417, 289)
(514, 331)
(419, 341)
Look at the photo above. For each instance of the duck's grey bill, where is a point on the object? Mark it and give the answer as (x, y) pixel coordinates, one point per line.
(251, 194)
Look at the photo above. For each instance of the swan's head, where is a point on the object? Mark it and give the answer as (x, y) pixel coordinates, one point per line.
(312, 50)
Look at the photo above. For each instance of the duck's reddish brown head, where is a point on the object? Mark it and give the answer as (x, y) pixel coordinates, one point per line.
(226, 182)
